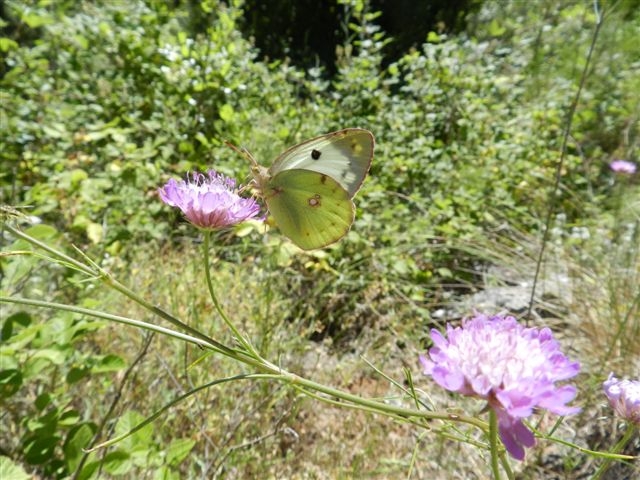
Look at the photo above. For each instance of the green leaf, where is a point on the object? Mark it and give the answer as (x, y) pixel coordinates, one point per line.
(117, 462)
(55, 131)
(433, 37)
(53, 355)
(495, 29)
(178, 450)
(7, 44)
(11, 470)
(77, 176)
(34, 20)
(201, 137)
(445, 272)
(20, 340)
(42, 232)
(164, 473)
(89, 469)
(76, 374)
(10, 382)
(42, 401)
(226, 112)
(109, 363)
(77, 439)
(69, 417)
(140, 439)
(41, 449)
(20, 318)
(34, 366)
(95, 232)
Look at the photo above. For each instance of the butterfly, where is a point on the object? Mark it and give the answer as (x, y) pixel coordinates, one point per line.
(309, 188)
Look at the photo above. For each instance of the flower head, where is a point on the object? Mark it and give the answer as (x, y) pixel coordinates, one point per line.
(624, 397)
(209, 201)
(513, 367)
(623, 166)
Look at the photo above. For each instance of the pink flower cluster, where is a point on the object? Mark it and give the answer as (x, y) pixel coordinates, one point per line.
(624, 398)
(209, 201)
(623, 166)
(514, 368)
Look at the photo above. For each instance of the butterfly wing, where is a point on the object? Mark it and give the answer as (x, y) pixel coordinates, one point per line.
(345, 156)
(310, 208)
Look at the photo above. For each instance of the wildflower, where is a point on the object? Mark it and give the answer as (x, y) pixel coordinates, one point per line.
(209, 201)
(624, 397)
(623, 166)
(512, 367)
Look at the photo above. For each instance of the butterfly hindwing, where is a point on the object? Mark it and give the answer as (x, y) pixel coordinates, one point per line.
(345, 156)
(310, 208)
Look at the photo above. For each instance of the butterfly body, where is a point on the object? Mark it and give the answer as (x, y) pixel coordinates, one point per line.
(309, 188)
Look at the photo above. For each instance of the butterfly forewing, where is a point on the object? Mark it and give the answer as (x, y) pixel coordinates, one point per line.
(310, 208)
(345, 156)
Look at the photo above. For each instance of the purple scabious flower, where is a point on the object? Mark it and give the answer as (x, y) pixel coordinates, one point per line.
(624, 397)
(623, 166)
(209, 201)
(513, 367)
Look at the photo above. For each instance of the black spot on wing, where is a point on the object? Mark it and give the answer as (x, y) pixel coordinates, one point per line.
(315, 154)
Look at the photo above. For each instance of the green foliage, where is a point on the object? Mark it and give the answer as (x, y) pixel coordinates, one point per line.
(103, 101)
(38, 363)
(106, 102)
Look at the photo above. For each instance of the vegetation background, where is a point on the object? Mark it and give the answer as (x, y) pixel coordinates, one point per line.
(103, 101)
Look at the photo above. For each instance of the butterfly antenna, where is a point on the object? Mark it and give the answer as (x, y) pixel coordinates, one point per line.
(242, 151)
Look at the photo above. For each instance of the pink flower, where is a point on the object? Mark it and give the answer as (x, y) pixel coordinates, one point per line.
(513, 367)
(209, 201)
(624, 397)
(623, 166)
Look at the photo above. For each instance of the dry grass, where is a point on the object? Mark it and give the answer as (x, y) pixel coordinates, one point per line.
(266, 430)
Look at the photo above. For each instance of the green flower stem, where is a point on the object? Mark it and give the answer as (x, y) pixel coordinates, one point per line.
(110, 317)
(586, 451)
(359, 403)
(95, 271)
(245, 343)
(311, 388)
(175, 401)
(60, 257)
(618, 447)
(238, 355)
(494, 444)
(248, 356)
(163, 314)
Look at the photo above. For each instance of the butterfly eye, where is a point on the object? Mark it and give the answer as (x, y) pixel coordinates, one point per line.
(315, 154)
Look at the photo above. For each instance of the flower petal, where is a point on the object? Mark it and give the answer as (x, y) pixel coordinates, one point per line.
(208, 201)
(514, 368)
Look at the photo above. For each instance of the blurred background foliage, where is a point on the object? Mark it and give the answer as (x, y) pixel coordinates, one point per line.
(102, 102)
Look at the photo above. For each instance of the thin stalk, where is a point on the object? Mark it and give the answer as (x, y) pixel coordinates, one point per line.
(494, 444)
(57, 254)
(563, 154)
(245, 343)
(164, 314)
(119, 319)
(96, 272)
(618, 447)
(266, 368)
